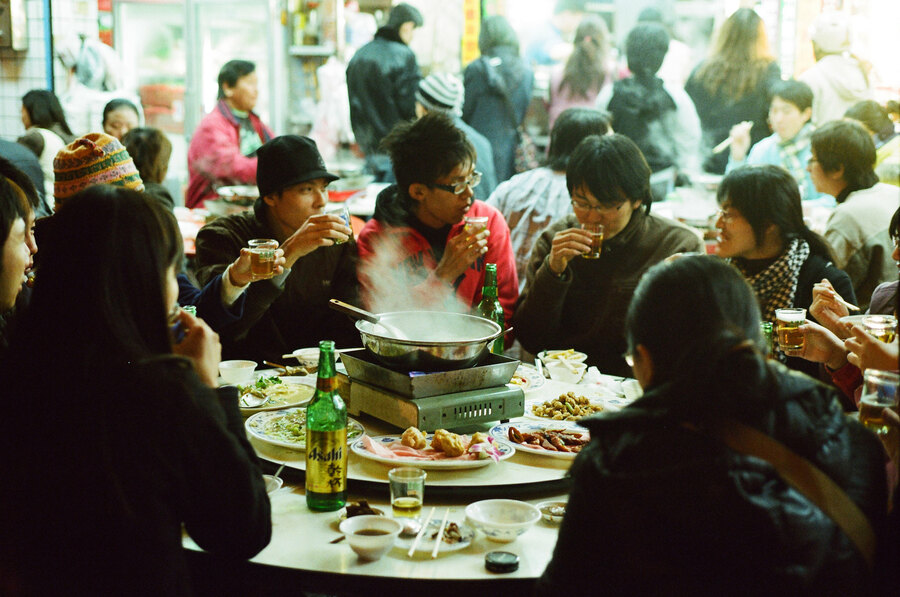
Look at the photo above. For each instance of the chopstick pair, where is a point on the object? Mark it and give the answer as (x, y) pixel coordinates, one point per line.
(440, 534)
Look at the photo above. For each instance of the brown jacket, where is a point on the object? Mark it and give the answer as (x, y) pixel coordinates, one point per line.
(585, 309)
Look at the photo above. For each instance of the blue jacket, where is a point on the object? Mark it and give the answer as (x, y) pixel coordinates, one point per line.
(208, 301)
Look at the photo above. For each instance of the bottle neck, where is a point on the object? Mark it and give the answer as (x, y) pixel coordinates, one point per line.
(326, 381)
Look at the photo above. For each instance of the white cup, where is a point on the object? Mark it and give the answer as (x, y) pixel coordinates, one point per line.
(237, 371)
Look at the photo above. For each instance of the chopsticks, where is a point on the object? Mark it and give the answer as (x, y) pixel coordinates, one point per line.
(845, 303)
(276, 365)
(412, 548)
(440, 534)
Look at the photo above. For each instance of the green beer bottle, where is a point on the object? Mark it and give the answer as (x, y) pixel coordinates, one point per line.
(326, 439)
(490, 307)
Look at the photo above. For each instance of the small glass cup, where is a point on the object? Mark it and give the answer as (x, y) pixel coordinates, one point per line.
(262, 258)
(879, 392)
(341, 211)
(475, 224)
(787, 328)
(596, 231)
(883, 327)
(407, 490)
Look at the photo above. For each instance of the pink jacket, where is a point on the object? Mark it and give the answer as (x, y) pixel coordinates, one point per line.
(214, 156)
(397, 268)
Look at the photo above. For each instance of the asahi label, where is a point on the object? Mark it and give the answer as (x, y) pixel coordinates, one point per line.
(326, 461)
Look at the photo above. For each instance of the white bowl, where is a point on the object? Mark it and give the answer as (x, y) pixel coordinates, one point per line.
(571, 373)
(371, 547)
(553, 511)
(237, 371)
(549, 356)
(502, 520)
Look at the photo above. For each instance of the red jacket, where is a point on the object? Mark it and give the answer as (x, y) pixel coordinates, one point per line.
(397, 266)
(214, 156)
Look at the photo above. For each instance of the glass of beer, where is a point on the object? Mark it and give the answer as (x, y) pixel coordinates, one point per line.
(883, 327)
(787, 328)
(343, 213)
(879, 392)
(475, 224)
(262, 258)
(407, 490)
(596, 231)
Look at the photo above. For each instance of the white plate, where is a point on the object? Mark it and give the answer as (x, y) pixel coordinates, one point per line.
(501, 434)
(527, 378)
(259, 426)
(359, 448)
(426, 544)
(307, 382)
(532, 402)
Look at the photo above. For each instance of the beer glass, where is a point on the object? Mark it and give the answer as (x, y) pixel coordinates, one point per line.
(879, 392)
(407, 490)
(343, 213)
(475, 224)
(883, 327)
(262, 258)
(787, 328)
(596, 231)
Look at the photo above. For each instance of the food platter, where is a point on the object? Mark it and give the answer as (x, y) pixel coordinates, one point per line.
(501, 434)
(594, 401)
(291, 392)
(359, 448)
(528, 378)
(287, 428)
(426, 544)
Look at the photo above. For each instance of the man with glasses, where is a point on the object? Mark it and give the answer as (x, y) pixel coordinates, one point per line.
(573, 302)
(421, 249)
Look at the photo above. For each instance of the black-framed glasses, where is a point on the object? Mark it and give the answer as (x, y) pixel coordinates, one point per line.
(458, 188)
(597, 208)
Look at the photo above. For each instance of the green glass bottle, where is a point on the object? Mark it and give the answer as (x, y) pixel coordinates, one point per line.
(490, 307)
(326, 439)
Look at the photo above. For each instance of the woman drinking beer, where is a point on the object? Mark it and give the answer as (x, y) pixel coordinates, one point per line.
(762, 233)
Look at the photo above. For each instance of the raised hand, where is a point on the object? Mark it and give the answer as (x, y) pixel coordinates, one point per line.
(827, 309)
(201, 345)
(461, 251)
(868, 352)
(319, 230)
(567, 244)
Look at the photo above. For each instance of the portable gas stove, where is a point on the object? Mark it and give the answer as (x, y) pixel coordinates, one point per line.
(429, 401)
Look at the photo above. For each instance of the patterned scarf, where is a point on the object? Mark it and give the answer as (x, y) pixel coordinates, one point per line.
(776, 285)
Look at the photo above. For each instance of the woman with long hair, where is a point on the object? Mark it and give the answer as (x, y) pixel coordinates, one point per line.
(151, 149)
(132, 437)
(46, 131)
(671, 500)
(734, 84)
(585, 72)
(497, 92)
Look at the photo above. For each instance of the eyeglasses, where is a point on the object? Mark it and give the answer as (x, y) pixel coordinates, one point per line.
(629, 358)
(811, 161)
(597, 208)
(458, 188)
(726, 216)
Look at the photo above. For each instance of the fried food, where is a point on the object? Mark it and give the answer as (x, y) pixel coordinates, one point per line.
(453, 445)
(413, 438)
(479, 437)
(568, 407)
(438, 440)
(554, 440)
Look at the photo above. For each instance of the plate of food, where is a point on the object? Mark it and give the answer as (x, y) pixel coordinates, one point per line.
(456, 537)
(570, 354)
(543, 439)
(527, 378)
(567, 408)
(273, 393)
(287, 428)
(438, 450)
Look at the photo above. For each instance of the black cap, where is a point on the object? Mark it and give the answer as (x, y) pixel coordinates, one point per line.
(404, 13)
(286, 161)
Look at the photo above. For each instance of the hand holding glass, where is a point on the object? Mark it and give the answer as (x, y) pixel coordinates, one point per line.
(596, 232)
(262, 258)
(343, 213)
(879, 392)
(787, 327)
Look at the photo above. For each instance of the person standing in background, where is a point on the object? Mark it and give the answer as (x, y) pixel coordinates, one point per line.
(579, 81)
(552, 44)
(223, 148)
(119, 117)
(150, 150)
(46, 131)
(734, 84)
(381, 81)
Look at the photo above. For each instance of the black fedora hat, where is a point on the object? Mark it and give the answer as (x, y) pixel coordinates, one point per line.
(288, 160)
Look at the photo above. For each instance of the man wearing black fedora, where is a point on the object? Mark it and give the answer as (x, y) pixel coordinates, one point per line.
(289, 311)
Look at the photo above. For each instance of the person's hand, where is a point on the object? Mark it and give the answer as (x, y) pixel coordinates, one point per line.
(891, 418)
(240, 271)
(461, 251)
(201, 345)
(740, 140)
(820, 345)
(319, 230)
(868, 352)
(827, 309)
(567, 244)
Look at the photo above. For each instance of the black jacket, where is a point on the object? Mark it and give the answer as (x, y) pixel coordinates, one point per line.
(657, 508)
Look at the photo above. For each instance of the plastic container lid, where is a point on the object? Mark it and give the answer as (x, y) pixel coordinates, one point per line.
(501, 561)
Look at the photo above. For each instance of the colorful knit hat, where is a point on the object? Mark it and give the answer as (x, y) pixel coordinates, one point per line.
(96, 158)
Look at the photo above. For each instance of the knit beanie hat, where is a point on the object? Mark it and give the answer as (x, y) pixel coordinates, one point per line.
(96, 158)
(831, 32)
(441, 91)
(404, 13)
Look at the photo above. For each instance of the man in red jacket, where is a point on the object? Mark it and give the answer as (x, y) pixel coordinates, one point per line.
(418, 251)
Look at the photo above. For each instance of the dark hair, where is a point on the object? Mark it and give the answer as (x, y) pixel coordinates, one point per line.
(45, 111)
(584, 69)
(404, 13)
(873, 116)
(231, 72)
(13, 205)
(612, 168)
(767, 194)
(496, 32)
(115, 246)
(691, 315)
(114, 104)
(150, 149)
(570, 128)
(646, 47)
(424, 150)
(894, 226)
(30, 197)
(795, 92)
(739, 58)
(845, 143)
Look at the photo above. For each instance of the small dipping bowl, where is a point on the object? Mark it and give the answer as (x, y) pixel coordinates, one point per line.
(237, 371)
(502, 520)
(553, 511)
(371, 536)
(273, 483)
